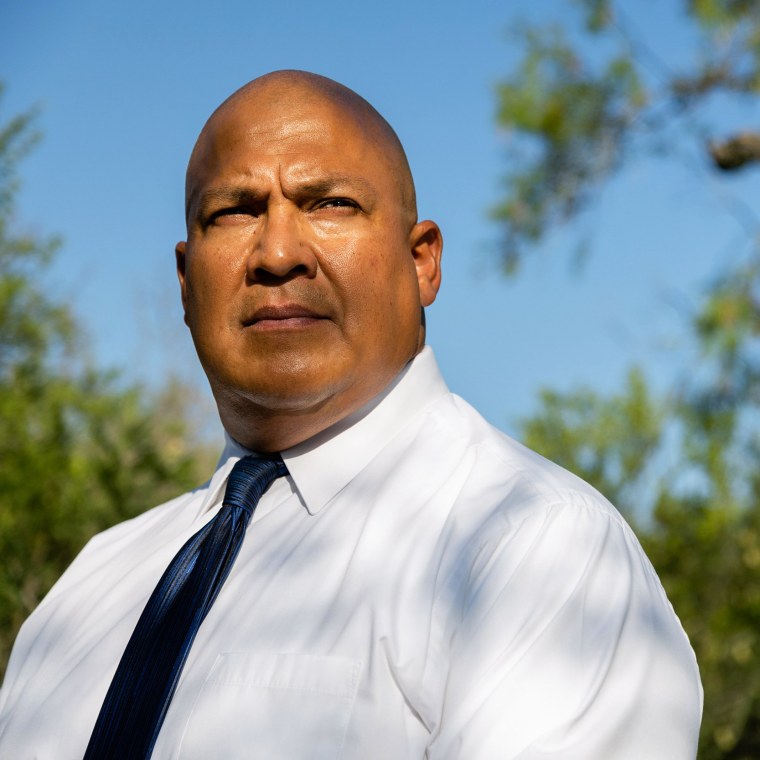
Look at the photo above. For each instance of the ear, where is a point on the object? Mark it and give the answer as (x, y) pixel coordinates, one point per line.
(180, 251)
(426, 242)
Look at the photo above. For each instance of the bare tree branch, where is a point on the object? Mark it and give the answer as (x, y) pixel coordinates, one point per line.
(735, 152)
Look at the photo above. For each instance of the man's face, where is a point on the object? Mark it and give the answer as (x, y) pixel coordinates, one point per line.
(300, 273)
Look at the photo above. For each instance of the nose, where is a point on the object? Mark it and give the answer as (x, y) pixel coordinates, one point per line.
(281, 250)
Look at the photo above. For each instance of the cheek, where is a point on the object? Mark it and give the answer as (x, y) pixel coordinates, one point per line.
(379, 291)
(213, 275)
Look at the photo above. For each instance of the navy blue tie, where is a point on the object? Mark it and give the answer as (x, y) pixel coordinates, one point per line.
(144, 683)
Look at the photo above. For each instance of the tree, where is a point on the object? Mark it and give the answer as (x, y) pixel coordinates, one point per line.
(78, 450)
(580, 106)
(685, 467)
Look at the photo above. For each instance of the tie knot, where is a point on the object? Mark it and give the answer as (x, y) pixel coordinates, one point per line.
(249, 478)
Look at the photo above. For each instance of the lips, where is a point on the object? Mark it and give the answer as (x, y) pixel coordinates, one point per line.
(283, 316)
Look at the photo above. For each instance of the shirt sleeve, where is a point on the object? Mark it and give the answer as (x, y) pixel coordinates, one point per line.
(567, 647)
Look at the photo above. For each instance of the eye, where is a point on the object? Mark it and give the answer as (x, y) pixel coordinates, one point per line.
(335, 203)
(230, 215)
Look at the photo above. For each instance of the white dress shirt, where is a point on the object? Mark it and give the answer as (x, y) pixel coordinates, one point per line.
(419, 586)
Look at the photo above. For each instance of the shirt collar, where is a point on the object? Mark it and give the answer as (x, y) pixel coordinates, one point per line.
(327, 462)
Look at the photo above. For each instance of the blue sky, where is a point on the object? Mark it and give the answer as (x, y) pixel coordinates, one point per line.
(124, 89)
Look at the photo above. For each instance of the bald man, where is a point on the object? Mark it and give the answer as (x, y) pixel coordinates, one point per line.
(414, 584)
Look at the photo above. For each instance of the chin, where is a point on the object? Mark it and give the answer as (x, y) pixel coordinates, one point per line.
(278, 391)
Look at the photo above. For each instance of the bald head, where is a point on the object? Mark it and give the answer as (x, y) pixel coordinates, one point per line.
(305, 271)
(289, 91)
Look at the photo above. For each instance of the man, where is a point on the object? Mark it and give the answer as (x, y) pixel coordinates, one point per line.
(418, 585)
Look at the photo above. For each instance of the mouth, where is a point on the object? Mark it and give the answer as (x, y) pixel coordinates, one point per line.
(283, 317)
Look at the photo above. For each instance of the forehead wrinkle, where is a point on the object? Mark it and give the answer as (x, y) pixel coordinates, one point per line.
(235, 192)
(303, 90)
(320, 182)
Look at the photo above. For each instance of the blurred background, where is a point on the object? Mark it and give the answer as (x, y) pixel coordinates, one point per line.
(595, 168)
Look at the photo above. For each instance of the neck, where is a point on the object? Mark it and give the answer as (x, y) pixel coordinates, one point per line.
(269, 427)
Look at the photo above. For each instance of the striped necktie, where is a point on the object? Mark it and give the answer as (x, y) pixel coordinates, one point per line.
(147, 675)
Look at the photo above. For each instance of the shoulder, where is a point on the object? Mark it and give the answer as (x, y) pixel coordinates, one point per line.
(118, 543)
(554, 610)
(507, 517)
(503, 479)
(516, 509)
(154, 518)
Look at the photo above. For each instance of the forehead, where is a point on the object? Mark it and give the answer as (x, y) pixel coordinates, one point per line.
(295, 138)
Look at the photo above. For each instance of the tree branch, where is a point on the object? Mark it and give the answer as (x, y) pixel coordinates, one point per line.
(733, 153)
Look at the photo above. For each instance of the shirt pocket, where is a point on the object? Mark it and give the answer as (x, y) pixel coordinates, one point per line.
(266, 705)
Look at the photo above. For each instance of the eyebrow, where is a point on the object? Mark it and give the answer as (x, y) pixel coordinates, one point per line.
(233, 193)
(225, 194)
(335, 182)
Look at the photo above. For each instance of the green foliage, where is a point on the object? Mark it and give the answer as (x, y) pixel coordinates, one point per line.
(78, 451)
(608, 442)
(724, 13)
(598, 13)
(702, 530)
(685, 468)
(577, 120)
(702, 534)
(578, 104)
(708, 557)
